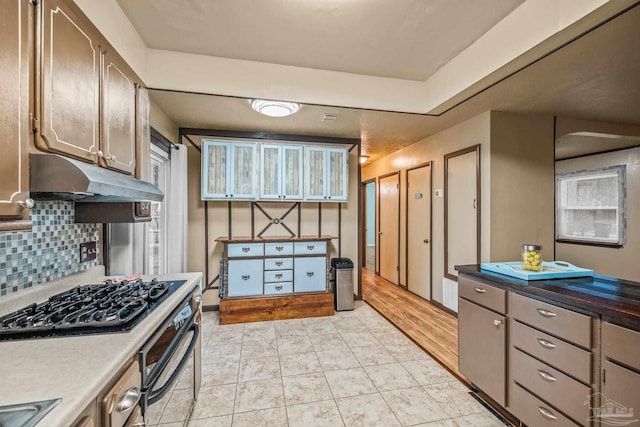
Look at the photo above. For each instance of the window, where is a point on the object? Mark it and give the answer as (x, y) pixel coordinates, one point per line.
(590, 206)
(156, 230)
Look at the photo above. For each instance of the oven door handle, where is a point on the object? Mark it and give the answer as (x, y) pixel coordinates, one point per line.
(155, 395)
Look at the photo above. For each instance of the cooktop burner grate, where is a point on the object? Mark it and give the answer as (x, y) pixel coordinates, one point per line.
(96, 308)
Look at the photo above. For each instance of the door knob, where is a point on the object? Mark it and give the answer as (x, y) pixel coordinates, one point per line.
(425, 241)
(379, 233)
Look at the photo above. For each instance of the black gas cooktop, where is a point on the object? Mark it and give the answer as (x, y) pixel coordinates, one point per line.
(88, 309)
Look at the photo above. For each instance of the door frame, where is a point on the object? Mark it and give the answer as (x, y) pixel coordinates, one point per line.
(406, 225)
(471, 149)
(363, 240)
(380, 177)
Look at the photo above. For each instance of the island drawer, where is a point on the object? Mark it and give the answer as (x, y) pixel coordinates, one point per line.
(245, 250)
(278, 276)
(621, 344)
(533, 411)
(310, 248)
(485, 295)
(278, 263)
(566, 357)
(560, 322)
(278, 248)
(278, 288)
(567, 394)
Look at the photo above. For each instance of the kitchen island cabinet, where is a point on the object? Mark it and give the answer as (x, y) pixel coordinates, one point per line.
(15, 66)
(573, 346)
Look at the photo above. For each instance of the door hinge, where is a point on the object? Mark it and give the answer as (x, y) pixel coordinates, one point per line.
(397, 186)
(604, 376)
(34, 124)
(397, 268)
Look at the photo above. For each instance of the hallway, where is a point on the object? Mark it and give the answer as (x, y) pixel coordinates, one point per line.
(433, 329)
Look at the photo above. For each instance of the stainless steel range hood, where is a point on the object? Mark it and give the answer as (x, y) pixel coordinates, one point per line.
(53, 177)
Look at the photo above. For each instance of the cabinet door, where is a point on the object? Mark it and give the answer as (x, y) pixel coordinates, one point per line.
(69, 85)
(315, 173)
(143, 134)
(14, 109)
(245, 277)
(620, 387)
(337, 161)
(292, 172)
(270, 172)
(118, 113)
(310, 274)
(482, 348)
(243, 171)
(214, 169)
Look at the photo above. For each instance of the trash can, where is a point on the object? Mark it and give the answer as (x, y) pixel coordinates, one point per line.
(341, 280)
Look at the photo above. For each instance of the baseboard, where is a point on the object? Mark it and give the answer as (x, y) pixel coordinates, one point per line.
(210, 308)
(443, 308)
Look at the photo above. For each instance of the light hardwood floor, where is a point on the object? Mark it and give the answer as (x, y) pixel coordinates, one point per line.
(433, 329)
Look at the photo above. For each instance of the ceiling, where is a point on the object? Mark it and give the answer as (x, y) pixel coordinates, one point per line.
(408, 39)
(596, 77)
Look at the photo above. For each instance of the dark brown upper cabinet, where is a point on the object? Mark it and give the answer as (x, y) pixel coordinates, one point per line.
(15, 64)
(85, 93)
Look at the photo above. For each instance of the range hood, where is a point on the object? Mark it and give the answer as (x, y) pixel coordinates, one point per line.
(53, 177)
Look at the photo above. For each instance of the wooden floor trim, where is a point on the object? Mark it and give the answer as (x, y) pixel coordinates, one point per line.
(240, 310)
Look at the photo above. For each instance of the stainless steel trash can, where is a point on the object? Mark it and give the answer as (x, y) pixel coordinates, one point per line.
(341, 279)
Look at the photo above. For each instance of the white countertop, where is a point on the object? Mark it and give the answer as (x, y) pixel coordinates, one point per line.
(75, 368)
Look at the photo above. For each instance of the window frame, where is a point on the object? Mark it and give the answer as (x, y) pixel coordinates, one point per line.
(620, 171)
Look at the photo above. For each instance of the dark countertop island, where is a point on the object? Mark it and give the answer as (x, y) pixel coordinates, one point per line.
(615, 300)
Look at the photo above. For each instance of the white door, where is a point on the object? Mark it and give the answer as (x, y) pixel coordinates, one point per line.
(462, 204)
(419, 231)
(388, 235)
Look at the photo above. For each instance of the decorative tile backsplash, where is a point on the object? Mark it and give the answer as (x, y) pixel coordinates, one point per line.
(49, 251)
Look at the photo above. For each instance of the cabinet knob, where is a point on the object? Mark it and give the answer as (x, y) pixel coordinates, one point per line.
(497, 322)
(27, 203)
(425, 241)
(284, 196)
(100, 153)
(112, 158)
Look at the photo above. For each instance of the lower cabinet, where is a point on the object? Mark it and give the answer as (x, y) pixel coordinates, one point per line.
(245, 277)
(482, 348)
(620, 374)
(265, 267)
(310, 274)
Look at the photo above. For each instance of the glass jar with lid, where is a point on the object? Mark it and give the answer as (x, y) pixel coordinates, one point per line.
(532, 257)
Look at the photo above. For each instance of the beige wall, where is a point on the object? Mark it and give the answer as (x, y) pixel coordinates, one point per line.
(241, 222)
(163, 124)
(516, 152)
(522, 184)
(622, 262)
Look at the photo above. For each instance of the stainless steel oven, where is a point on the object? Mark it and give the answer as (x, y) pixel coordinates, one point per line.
(170, 366)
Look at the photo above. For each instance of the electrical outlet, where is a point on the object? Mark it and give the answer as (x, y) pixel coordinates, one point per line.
(88, 251)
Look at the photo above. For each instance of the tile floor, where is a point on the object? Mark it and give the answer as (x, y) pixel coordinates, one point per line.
(351, 369)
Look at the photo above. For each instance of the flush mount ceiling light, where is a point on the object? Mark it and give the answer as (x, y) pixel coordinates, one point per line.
(275, 108)
(363, 159)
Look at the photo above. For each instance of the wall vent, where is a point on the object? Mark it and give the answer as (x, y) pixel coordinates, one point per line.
(329, 117)
(450, 294)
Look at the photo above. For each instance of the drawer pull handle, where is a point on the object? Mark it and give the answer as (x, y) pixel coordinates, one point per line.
(545, 343)
(311, 247)
(246, 249)
(547, 413)
(279, 263)
(546, 313)
(480, 290)
(278, 288)
(547, 376)
(279, 276)
(279, 248)
(246, 277)
(310, 273)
